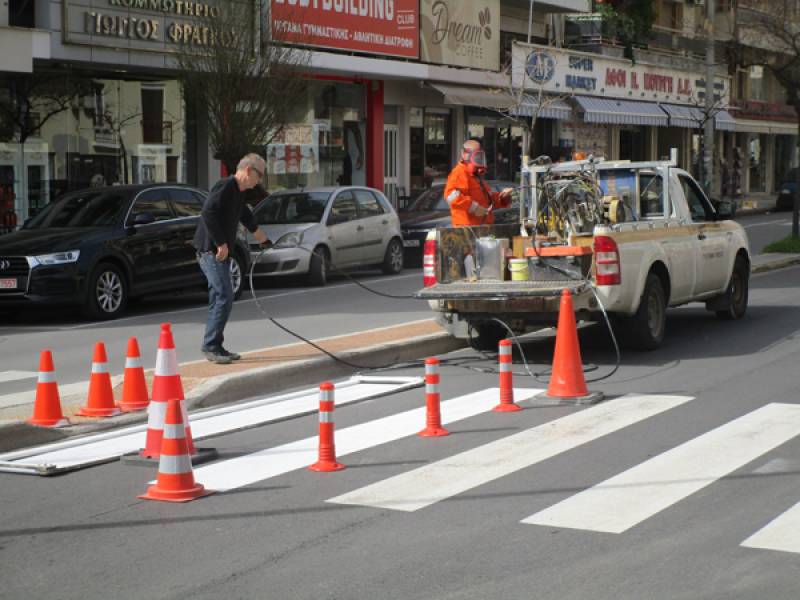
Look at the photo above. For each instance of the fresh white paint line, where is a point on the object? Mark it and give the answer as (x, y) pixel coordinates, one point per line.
(80, 388)
(781, 534)
(107, 446)
(438, 481)
(629, 498)
(6, 376)
(782, 222)
(258, 466)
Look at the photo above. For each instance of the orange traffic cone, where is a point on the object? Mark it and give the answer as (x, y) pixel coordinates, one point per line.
(134, 387)
(166, 386)
(566, 381)
(101, 397)
(433, 412)
(327, 450)
(504, 361)
(175, 481)
(47, 407)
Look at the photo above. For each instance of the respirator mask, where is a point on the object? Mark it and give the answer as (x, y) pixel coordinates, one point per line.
(475, 161)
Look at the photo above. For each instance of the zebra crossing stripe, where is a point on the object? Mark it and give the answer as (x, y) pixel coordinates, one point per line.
(619, 503)
(440, 480)
(782, 534)
(271, 462)
(6, 376)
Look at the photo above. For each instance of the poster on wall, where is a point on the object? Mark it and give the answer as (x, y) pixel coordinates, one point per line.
(294, 151)
(386, 27)
(462, 33)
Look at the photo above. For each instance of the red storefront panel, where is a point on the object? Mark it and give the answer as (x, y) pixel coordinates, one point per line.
(388, 27)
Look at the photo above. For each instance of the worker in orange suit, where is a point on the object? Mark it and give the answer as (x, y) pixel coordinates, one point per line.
(470, 199)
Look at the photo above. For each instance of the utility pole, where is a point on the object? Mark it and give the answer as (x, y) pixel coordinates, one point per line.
(708, 137)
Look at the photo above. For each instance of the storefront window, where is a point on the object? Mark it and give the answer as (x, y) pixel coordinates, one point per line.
(113, 132)
(756, 148)
(324, 143)
(785, 158)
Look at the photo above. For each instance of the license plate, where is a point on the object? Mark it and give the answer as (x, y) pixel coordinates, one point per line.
(8, 284)
(411, 243)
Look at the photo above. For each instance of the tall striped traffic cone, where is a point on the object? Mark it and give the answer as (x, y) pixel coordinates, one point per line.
(505, 360)
(166, 386)
(433, 413)
(567, 383)
(47, 406)
(101, 397)
(327, 450)
(134, 387)
(175, 481)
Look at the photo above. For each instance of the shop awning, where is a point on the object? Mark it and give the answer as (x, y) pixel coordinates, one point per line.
(621, 112)
(752, 126)
(499, 99)
(691, 117)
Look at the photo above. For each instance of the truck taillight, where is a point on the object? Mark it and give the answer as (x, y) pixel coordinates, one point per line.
(606, 257)
(429, 262)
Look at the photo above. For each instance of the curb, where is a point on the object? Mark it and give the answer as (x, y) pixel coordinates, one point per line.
(228, 389)
(776, 263)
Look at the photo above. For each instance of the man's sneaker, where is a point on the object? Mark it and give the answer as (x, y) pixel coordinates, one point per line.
(218, 357)
(231, 355)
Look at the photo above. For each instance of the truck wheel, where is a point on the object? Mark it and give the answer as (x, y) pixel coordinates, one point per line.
(486, 336)
(645, 329)
(736, 295)
(318, 267)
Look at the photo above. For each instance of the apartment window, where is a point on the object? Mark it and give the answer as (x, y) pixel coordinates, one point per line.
(669, 14)
(21, 13)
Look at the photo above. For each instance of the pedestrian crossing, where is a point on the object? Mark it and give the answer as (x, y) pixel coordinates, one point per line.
(615, 505)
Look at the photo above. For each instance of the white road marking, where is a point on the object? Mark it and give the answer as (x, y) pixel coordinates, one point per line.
(435, 482)
(69, 390)
(6, 376)
(258, 466)
(782, 222)
(103, 447)
(619, 503)
(783, 533)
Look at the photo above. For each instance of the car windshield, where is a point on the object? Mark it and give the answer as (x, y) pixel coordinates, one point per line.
(300, 207)
(86, 209)
(432, 199)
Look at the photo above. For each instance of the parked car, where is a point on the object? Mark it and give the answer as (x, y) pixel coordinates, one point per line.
(786, 190)
(316, 228)
(99, 247)
(430, 210)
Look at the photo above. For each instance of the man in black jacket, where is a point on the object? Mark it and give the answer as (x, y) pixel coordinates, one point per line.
(222, 212)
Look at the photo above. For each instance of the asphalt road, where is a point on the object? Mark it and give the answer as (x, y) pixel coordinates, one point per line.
(86, 535)
(763, 229)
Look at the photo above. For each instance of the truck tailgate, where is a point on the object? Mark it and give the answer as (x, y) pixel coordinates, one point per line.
(499, 290)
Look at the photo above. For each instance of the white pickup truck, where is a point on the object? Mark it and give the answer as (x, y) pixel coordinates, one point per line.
(648, 240)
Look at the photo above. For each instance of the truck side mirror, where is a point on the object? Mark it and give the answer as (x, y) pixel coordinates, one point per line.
(726, 209)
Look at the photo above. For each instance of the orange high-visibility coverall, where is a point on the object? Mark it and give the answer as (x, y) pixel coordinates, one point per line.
(464, 192)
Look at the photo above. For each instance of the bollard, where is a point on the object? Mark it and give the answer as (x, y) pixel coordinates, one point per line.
(433, 415)
(505, 360)
(326, 460)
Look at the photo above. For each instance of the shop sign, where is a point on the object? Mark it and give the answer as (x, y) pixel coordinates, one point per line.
(152, 25)
(565, 72)
(463, 33)
(386, 27)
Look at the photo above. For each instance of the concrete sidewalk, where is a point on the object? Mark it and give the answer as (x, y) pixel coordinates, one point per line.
(269, 371)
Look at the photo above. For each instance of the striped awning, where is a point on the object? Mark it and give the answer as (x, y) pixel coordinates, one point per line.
(692, 117)
(553, 108)
(621, 112)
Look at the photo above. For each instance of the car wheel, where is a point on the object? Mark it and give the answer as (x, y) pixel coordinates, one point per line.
(318, 266)
(237, 276)
(107, 293)
(393, 259)
(736, 296)
(645, 329)
(486, 336)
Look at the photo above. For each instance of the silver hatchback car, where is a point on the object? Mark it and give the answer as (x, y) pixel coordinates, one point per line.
(316, 228)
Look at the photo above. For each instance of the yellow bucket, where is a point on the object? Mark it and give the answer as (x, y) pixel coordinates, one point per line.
(518, 268)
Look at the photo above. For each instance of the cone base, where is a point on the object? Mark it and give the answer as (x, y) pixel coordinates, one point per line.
(87, 411)
(507, 408)
(433, 432)
(326, 466)
(155, 493)
(55, 423)
(590, 398)
(145, 458)
(132, 406)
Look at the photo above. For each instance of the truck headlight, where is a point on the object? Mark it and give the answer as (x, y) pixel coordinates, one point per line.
(57, 258)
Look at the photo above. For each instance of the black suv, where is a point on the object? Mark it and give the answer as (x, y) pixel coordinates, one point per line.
(98, 247)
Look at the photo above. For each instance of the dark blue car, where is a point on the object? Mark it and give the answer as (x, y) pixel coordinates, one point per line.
(786, 191)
